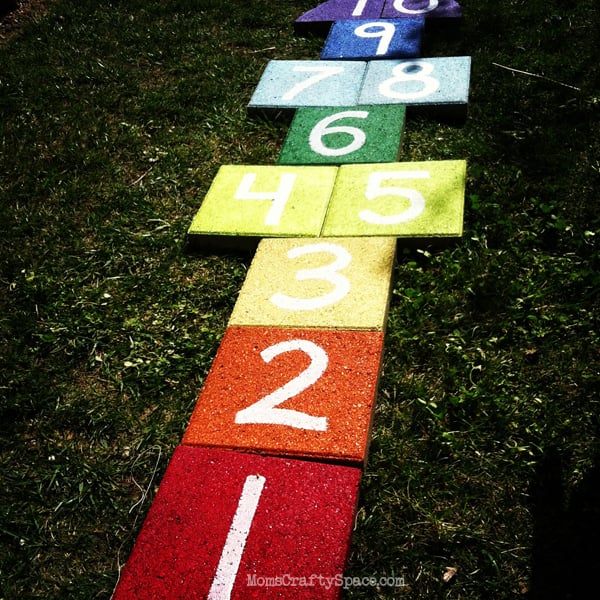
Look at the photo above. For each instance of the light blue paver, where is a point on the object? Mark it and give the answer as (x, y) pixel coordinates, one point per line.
(297, 83)
(425, 81)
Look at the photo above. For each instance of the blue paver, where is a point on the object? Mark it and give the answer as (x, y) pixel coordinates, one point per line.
(366, 39)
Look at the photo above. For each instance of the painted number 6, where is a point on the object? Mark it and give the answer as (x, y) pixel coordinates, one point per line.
(264, 410)
(323, 128)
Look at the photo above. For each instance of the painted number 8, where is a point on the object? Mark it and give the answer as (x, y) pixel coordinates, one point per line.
(323, 128)
(408, 74)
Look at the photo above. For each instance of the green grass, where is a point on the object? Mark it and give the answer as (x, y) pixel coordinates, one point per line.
(485, 456)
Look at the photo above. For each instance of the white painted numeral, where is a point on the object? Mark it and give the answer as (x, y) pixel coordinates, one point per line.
(229, 563)
(385, 31)
(399, 6)
(322, 72)
(358, 9)
(264, 410)
(322, 128)
(325, 273)
(404, 73)
(376, 190)
(279, 197)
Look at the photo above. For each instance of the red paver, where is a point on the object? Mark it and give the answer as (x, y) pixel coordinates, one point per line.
(324, 410)
(232, 525)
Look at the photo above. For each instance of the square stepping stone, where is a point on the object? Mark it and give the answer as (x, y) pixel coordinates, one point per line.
(370, 39)
(341, 283)
(232, 526)
(290, 84)
(307, 393)
(318, 19)
(430, 9)
(441, 84)
(353, 134)
(404, 200)
(252, 202)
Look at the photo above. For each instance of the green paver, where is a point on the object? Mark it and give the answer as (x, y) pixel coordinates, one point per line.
(339, 283)
(336, 135)
(413, 199)
(264, 201)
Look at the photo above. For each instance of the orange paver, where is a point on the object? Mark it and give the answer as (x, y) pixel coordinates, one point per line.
(290, 392)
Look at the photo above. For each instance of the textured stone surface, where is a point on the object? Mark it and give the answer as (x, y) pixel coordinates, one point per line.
(370, 39)
(412, 199)
(327, 414)
(277, 518)
(352, 134)
(341, 283)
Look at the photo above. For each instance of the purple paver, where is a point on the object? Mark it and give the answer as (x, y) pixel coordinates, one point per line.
(318, 20)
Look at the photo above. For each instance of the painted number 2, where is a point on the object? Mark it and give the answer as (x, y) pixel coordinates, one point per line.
(265, 411)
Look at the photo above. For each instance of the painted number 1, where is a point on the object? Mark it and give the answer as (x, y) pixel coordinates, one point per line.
(231, 556)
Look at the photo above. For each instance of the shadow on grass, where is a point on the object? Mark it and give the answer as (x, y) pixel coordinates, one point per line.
(566, 550)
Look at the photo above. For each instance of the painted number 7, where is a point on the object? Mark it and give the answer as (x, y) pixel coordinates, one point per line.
(322, 72)
(264, 410)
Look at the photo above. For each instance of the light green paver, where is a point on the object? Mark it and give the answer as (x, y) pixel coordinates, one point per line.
(353, 134)
(414, 199)
(339, 283)
(265, 201)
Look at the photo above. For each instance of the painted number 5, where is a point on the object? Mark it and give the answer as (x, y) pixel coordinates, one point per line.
(328, 273)
(375, 189)
(264, 410)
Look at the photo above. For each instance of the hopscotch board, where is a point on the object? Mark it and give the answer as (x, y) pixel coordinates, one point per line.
(260, 498)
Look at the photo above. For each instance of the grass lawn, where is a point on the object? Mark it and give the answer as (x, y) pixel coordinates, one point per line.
(484, 467)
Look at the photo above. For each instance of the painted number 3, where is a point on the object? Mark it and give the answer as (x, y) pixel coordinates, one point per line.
(265, 411)
(329, 273)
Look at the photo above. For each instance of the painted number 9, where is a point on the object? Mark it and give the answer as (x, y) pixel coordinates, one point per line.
(324, 128)
(385, 31)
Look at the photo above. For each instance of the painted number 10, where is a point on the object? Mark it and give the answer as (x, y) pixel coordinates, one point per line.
(399, 5)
